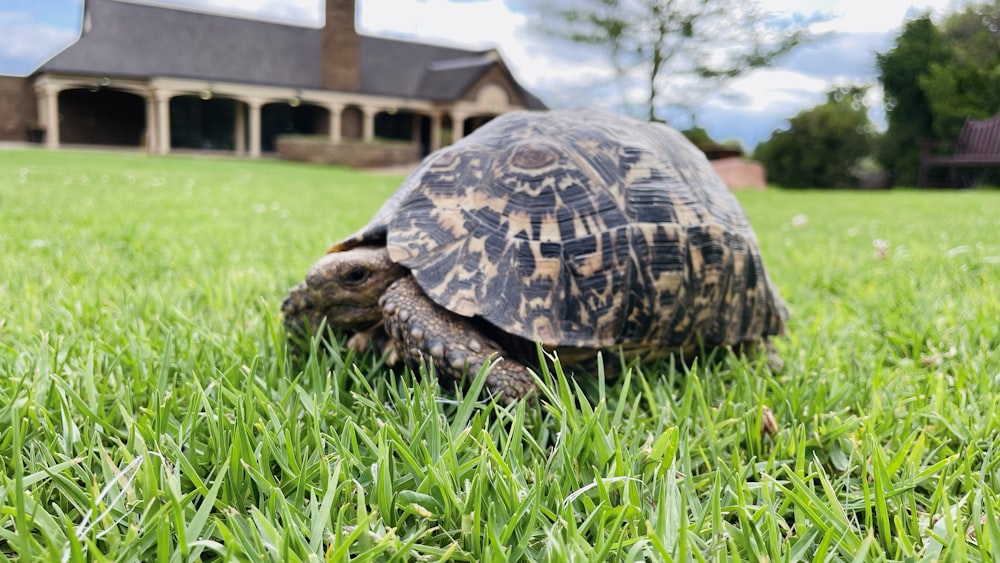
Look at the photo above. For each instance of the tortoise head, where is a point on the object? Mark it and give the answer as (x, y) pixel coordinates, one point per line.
(344, 288)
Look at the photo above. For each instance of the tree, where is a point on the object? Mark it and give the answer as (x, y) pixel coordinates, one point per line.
(712, 148)
(934, 78)
(823, 145)
(675, 52)
(959, 91)
(969, 84)
(974, 34)
(698, 136)
(907, 109)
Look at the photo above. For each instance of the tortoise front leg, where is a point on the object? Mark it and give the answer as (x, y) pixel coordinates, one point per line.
(424, 330)
(376, 339)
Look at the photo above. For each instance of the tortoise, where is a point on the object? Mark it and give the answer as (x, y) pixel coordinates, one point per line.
(580, 230)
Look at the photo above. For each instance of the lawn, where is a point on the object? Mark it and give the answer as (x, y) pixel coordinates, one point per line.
(148, 409)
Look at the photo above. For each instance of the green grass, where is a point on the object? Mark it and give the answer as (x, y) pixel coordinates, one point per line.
(148, 412)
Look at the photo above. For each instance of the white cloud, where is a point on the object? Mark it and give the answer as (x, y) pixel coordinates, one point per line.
(480, 25)
(476, 24)
(862, 16)
(567, 76)
(770, 88)
(25, 38)
(307, 12)
(564, 75)
(261, 6)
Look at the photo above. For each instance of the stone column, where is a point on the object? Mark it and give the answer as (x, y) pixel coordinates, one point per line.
(457, 126)
(48, 106)
(335, 125)
(435, 131)
(368, 123)
(163, 121)
(152, 132)
(240, 132)
(254, 106)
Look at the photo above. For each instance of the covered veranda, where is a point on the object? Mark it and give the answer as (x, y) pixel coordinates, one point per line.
(165, 114)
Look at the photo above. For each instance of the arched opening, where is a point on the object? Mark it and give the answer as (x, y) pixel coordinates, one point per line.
(394, 125)
(197, 123)
(282, 118)
(103, 116)
(477, 121)
(404, 126)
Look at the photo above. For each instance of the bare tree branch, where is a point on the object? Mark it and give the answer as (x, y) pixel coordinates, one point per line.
(676, 52)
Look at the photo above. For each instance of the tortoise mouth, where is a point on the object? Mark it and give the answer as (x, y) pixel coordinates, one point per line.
(304, 312)
(350, 318)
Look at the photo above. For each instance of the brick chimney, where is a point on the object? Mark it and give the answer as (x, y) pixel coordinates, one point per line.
(340, 47)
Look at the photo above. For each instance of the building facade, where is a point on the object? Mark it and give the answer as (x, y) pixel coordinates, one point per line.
(162, 78)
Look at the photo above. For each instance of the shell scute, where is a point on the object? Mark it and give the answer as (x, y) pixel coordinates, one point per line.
(583, 229)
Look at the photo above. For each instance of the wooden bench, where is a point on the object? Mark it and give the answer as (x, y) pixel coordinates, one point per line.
(978, 146)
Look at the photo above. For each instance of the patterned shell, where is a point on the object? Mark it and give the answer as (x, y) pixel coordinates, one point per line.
(581, 228)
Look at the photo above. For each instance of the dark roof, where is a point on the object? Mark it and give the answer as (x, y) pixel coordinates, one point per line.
(447, 80)
(531, 101)
(142, 41)
(392, 67)
(429, 72)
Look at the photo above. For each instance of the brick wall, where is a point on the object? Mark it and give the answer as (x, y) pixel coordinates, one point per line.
(18, 109)
(339, 58)
(741, 174)
(355, 154)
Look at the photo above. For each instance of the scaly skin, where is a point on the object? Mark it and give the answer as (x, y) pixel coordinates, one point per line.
(386, 310)
(423, 330)
(344, 289)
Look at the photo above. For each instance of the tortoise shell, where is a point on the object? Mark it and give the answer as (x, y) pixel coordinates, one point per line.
(581, 228)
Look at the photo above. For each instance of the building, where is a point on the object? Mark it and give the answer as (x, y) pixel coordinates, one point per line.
(165, 78)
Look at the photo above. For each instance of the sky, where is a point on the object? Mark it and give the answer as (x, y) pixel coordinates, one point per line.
(748, 110)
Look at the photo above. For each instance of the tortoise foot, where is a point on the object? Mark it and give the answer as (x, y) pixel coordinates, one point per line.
(424, 331)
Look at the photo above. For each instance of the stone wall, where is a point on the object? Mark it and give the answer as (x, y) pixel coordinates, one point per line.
(348, 153)
(18, 109)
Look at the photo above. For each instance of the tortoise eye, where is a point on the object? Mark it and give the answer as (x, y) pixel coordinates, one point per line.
(356, 275)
